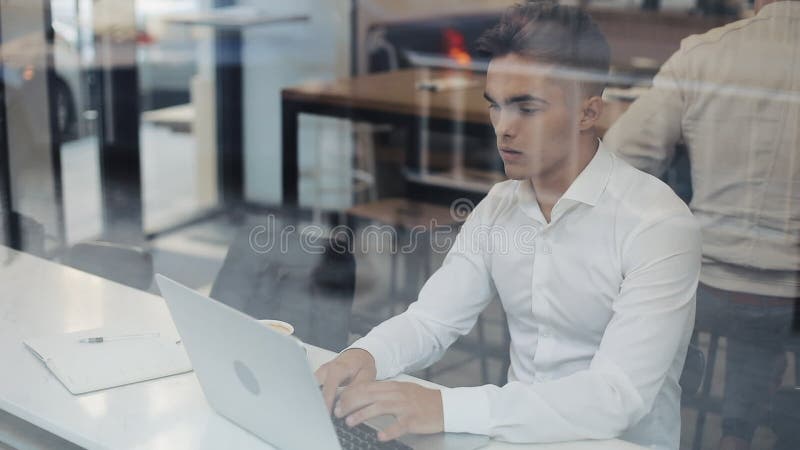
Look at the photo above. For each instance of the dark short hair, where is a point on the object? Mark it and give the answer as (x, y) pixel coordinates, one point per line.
(565, 36)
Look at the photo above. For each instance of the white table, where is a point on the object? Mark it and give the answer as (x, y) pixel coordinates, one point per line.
(39, 297)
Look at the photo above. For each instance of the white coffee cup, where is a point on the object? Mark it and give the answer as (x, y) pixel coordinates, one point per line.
(280, 326)
(284, 328)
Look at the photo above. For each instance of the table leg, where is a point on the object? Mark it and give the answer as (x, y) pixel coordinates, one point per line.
(290, 179)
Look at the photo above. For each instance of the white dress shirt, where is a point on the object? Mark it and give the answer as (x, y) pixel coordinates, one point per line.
(733, 95)
(600, 306)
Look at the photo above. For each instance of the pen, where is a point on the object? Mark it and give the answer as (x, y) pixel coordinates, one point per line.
(101, 339)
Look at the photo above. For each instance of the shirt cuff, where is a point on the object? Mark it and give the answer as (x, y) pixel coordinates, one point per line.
(379, 354)
(466, 410)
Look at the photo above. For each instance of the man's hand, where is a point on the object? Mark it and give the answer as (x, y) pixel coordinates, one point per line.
(352, 367)
(417, 409)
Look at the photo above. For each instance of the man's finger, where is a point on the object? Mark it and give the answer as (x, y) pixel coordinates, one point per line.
(393, 431)
(320, 374)
(359, 396)
(362, 376)
(333, 379)
(352, 398)
(371, 411)
(389, 386)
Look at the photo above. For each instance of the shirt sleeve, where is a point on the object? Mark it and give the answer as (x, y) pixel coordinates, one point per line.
(650, 328)
(447, 307)
(647, 133)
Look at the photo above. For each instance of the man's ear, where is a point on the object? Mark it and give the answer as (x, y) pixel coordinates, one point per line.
(591, 110)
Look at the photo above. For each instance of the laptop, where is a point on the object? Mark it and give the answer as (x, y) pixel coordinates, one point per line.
(261, 381)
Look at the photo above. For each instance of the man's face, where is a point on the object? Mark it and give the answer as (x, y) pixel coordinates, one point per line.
(535, 121)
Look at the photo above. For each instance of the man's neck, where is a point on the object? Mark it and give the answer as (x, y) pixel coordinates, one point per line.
(551, 186)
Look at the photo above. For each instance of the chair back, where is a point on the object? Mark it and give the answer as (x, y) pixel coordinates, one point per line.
(304, 280)
(125, 264)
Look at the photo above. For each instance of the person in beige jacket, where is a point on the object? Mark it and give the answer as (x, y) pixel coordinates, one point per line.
(732, 95)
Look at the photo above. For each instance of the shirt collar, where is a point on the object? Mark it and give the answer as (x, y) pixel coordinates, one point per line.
(787, 8)
(592, 181)
(586, 188)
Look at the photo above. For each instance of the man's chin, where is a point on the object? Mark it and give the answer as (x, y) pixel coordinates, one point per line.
(514, 173)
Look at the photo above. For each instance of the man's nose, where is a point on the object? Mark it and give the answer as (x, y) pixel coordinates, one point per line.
(504, 127)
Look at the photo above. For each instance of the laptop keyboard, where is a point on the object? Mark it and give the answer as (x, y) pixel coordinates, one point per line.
(363, 437)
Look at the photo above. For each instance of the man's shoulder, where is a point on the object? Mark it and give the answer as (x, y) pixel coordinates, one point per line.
(500, 194)
(715, 36)
(499, 197)
(503, 189)
(641, 196)
(646, 207)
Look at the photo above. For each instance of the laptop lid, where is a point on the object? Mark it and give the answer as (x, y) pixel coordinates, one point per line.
(261, 380)
(255, 377)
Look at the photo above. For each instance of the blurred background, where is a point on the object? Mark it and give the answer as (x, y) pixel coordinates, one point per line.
(142, 136)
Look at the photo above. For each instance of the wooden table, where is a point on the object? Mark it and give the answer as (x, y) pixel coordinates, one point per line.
(393, 98)
(385, 98)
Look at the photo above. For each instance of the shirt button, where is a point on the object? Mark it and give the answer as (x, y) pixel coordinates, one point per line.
(546, 248)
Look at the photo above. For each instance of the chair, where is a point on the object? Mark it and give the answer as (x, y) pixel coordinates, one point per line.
(333, 187)
(785, 414)
(701, 397)
(693, 368)
(308, 281)
(702, 400)
(404, 216)
(125, 264)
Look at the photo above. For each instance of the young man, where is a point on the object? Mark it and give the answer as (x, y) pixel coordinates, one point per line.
(597, 281)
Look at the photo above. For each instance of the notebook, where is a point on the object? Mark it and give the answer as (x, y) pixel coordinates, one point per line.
(87, 367)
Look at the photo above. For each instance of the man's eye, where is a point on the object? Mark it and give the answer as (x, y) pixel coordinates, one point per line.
(494, 106)
(528, 110)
